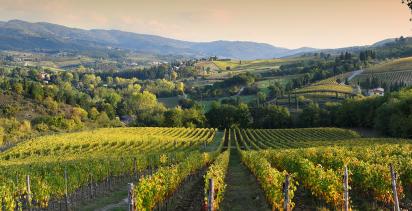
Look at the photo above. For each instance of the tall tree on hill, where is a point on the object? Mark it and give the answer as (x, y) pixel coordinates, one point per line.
(408, 3)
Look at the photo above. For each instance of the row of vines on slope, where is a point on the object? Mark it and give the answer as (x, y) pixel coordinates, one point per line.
(89, 159)
(318, 166)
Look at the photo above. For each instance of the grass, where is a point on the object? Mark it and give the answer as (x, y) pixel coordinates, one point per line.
(207, 64)
(267, 81)
(243, 191)
(113, 200)
(170, 102)
(223, 64)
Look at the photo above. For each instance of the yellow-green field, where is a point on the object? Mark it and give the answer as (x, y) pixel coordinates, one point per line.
(325, 88)
(224, 64)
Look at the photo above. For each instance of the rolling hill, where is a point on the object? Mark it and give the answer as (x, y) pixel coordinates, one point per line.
(390, 72)
(21, 35)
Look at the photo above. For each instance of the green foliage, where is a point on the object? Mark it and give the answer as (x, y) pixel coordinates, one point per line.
(228, 116)
(9, 110)
(58, 123)
(312, 116)
(271, 116)
(391, 115)
(93, 113)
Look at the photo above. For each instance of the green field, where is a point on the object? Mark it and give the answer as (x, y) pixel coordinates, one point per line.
(169, 102)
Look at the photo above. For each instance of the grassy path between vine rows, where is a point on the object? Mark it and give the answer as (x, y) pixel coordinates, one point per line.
(243, 191)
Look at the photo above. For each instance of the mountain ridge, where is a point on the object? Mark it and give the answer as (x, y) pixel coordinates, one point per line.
(22, 35)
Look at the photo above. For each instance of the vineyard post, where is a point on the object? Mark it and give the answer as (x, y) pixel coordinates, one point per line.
(286, 193)
(211, 195)
(135, 168)
(108, 179)
(3, 204)
(297, 102)
(28, 192)
(289, 99)
(66, 194)
(395, 193)
(346, 189)
(131, 197)
(91, 186)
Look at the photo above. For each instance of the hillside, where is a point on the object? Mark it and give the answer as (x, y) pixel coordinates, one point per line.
(391, 72)
(21, 35)
(403, 64)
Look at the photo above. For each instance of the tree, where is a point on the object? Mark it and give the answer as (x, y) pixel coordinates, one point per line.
(10, 110)
(36, 92)
(25, 127)
(408, 3)
(173, 117)
(103, 120)
(180, 88)
(78, 114)
(193, 117)
(223, 116)
(311, 116)
(18, 88)
(93, 113)
(261, 98)
(271, 116)
(243, 115)
(51, 104)
(174, 75)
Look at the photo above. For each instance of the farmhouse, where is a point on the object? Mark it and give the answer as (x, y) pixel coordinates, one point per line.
(376, 92)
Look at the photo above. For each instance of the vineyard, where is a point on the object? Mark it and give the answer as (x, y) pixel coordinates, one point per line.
(387, 77)
(193, 169)
(334, 80)
(326, 88)
(394, 71)
(402, 64)
(317, 166)
(52, 167)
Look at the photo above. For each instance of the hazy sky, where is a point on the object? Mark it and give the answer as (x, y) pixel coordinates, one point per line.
(285, 23)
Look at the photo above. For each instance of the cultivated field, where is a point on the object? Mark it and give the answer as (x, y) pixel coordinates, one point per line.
(177, 168)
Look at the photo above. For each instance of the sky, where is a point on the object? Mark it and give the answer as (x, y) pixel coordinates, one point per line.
(284, 23)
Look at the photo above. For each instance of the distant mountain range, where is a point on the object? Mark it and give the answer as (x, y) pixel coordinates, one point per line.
(47, 37)
(21, 35)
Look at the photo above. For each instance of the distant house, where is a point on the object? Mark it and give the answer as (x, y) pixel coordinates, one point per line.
(376, 92)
